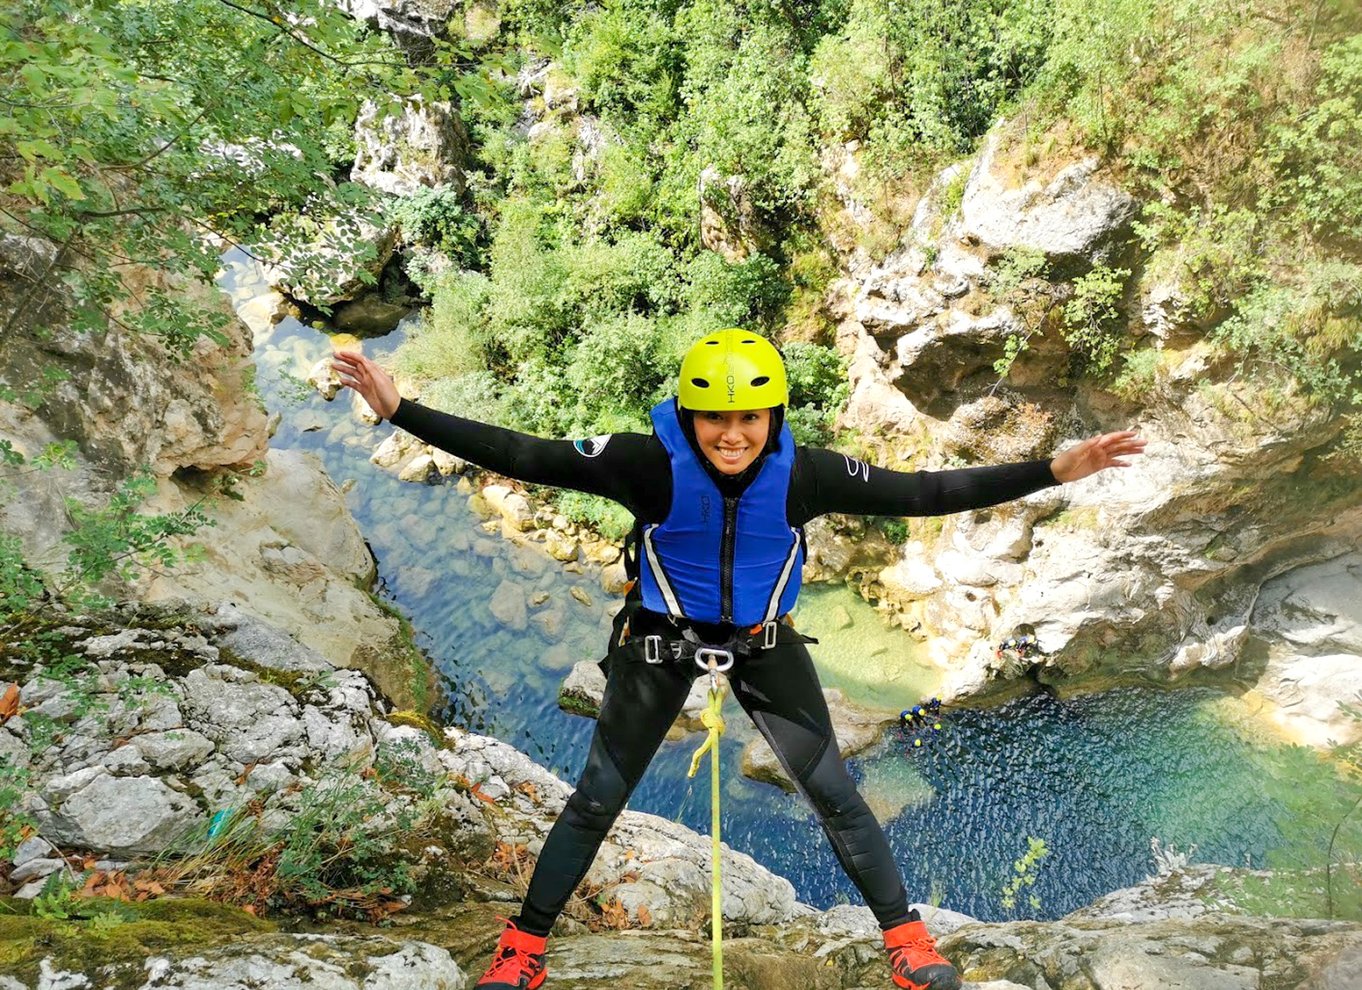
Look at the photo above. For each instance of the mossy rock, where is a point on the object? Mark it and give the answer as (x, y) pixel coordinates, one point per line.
(416, 720)
(85, 945)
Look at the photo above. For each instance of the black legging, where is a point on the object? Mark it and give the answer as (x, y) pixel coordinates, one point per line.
(779, 690)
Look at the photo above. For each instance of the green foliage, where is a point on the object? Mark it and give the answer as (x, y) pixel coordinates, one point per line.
(608, 518)
(1318, 152)
(474, 396)
(744, 95)
(818, 391)
(21, 587)
(15, 824)
(925, 78)
(733, 294)
(1092, 314)
(1015, 267)
(1139, 375)
(342, 852)
(135, 130)
(1025, 870)
(454, 337)
(1013, 347)
(895, 530)
(628, 60)
(1307, 334)
(437, 218)
(56, 900)
(1094, 51)
(616, 369)
(118, 539)
(345, 837)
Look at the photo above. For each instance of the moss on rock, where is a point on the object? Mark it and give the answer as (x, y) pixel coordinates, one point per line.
(114, 933)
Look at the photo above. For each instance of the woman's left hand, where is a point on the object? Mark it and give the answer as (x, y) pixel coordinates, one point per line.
(1096, 454)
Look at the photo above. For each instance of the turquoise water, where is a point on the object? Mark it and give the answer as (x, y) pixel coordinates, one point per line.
(1095, 777)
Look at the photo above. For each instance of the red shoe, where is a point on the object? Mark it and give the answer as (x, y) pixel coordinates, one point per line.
(914, 960)
(519, 962)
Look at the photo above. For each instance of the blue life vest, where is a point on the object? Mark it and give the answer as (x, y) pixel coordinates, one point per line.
(713, 559)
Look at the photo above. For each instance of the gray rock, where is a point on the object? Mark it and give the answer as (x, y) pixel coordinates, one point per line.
(398, 446)
(247, 719)
(35, 868)
(1310, 621)
(420, 469)
(364, 413)
(584, 688)
(123, 815)
(330, 259)
(173, 749)
(447, 464)
(508, 606)
(419, 147)
(325, 379)
(1072, 216)
(266, 645)
(33, 847)
(285, 962)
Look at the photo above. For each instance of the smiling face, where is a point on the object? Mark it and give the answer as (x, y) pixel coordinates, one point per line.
(732, 440)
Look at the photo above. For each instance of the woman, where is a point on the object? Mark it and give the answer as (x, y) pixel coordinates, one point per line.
(720, 493)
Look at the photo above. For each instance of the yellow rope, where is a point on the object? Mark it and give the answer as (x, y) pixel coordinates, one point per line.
(713, 720)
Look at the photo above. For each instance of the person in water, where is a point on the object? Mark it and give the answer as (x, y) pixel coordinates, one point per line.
(720, 493)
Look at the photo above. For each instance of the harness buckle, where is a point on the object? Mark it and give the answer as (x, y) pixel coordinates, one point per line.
(768, 635)
(703, 654)
(652, 649)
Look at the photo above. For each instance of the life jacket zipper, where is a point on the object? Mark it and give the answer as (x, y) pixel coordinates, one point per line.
(726, 560)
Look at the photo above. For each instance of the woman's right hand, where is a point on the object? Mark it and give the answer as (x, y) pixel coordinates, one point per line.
(368, 379)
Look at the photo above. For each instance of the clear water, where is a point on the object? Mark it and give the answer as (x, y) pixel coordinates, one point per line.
(1095, 777)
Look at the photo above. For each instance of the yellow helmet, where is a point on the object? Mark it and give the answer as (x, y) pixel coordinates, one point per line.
(732, 369)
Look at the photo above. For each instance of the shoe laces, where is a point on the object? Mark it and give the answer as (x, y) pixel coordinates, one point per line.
(514, 962)
(898, 955)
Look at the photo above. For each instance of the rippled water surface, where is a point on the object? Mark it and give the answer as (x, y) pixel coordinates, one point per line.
(1095, 778)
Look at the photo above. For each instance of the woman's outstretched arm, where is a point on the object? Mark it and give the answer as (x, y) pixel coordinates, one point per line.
(826, 481)
(608, 466)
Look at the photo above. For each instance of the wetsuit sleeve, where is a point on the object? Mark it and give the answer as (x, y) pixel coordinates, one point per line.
(825, 481)
(615, 466)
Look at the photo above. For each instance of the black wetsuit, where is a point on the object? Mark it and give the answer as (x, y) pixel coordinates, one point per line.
(777, 687)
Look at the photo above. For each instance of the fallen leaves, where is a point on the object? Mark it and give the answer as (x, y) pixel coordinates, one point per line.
(9, 702)
(116, 884)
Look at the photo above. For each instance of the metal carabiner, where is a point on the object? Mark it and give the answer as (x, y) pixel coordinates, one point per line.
(704, 653)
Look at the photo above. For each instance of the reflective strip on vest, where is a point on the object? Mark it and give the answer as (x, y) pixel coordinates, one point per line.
(658, 574)
(773, 605)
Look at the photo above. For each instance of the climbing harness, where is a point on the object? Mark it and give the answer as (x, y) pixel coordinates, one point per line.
(708, 659)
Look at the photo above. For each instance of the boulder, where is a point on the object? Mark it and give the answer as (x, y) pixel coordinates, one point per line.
(584, 687)
(368, 315)
(1074, 217)
(127, 400)
(419, 146)
(297, 562)
(508, 606)
(415, 25)
(1309, 623)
